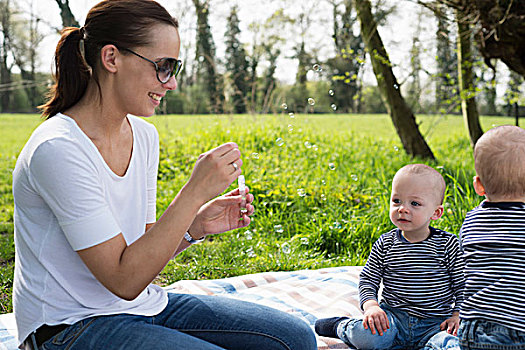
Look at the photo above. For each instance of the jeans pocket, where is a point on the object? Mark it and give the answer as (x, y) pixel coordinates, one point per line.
(65, 338)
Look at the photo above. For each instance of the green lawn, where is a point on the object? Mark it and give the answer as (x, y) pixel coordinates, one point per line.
(321, 186)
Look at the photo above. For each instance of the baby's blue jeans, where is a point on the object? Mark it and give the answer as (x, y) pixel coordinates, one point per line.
(482, 335)
(191, 322)
(405, 332)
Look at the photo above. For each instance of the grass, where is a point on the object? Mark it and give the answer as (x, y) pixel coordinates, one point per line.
(321, 186)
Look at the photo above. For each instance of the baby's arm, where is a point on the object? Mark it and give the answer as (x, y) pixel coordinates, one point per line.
(375, 317)
(451, 324)
(369, 280)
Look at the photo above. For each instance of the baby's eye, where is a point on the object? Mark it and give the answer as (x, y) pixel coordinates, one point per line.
(415, 204)
(396, 201)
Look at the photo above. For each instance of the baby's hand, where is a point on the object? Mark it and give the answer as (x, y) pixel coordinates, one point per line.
(451, 324)
(375, 318)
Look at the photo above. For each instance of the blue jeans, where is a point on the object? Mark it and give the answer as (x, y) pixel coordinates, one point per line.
(405, 332)
(191, 322)
(481, 334)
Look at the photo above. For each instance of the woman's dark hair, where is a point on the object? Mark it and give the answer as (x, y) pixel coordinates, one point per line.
(124, 23)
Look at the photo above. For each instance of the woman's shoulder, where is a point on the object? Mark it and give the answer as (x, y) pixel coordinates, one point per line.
(53, 132)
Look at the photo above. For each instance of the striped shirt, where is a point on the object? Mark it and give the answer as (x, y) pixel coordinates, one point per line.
(424, 278)
(493, 242)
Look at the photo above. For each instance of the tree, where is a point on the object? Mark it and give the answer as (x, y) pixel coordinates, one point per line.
(501, 33)
(513, 93)
(466, 80)
(68, 19)
(446, 60)
(400, 113)
(24, 45)
(257, 51)
(349, 59)
(5, 68)
(236, 63)
(205, 57)
(271, 38)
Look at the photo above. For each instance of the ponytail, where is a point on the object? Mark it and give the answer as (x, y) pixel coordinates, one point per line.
(72, 73)
(123, 23)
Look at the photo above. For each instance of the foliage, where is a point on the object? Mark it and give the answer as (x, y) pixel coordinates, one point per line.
(207, 63)
(346, 66)
(321, 187)
(236, 63)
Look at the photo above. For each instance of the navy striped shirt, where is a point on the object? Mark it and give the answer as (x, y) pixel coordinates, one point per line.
(424, 278)
(493, 242)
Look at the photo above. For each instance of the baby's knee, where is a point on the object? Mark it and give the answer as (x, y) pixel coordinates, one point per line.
(353, 333)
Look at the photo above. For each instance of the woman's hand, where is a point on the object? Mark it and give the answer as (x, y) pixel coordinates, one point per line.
(222, 214)
(214, 171)
(451, 325)
(375, 318)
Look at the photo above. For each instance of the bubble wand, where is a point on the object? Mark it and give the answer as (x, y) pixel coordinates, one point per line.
(242, 192)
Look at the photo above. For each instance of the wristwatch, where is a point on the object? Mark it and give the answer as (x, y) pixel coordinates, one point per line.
(192, 240)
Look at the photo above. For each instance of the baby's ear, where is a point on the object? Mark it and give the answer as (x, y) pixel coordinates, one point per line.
(437, 213)
(478, 186)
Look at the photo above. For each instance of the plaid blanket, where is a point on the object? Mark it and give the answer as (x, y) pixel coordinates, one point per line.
(308, 294)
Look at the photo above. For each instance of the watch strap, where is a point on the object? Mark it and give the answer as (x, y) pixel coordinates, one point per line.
(192, 240)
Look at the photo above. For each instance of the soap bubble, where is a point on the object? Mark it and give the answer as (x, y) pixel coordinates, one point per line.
(304, 240)
(285, 248)
(323, 197)
(278, 228)
(334, 107)
(396, 86)
(396, 148)
(301, 192)
(248, 234)
(331, 92)
(279, 141)
(255, 155)
(291, 115)
(354, 177)
(290, 128)
(317, 67)
(284, 106)
(337, 225)
(307, 144)
(311, 101)
(331, 166)
(251, 253)
(315, 148)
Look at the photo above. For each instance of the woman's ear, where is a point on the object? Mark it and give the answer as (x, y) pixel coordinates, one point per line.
(108, 58)
(478, 186)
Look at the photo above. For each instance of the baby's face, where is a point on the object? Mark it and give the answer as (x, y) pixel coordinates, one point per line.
(413, 203)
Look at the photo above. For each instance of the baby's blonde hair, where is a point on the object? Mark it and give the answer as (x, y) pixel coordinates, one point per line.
(435, 179)
(499, 159)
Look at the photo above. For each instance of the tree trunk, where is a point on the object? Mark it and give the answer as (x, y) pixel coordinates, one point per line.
(68, 19)
(5, 70)
(401, 114)
(466, 81)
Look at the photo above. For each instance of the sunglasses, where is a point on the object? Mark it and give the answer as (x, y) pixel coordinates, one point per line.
(165, 68)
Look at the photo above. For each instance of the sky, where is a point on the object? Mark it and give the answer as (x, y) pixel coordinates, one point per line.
(397, 33)
(397, 36)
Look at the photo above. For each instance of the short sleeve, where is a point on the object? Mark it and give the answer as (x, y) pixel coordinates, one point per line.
(67, 180)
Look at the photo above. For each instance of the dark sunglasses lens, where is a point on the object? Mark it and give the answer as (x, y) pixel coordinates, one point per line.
(168, 67)
(165, 69)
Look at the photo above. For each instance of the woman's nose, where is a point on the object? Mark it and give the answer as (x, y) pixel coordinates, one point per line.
(171, 84)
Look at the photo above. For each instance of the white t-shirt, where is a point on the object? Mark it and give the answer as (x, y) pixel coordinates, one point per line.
(67, 199)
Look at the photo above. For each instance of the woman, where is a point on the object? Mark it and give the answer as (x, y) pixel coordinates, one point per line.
(87, 244)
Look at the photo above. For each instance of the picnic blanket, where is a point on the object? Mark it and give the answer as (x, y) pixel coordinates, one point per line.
(308, 294)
